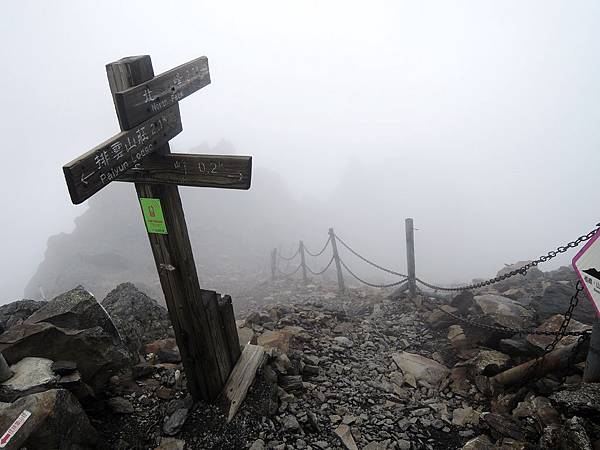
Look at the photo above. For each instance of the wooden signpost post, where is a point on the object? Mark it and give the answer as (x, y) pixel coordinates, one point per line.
(148, 112)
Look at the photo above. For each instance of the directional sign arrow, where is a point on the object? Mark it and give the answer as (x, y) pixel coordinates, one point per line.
(218, 171)
(107, 161)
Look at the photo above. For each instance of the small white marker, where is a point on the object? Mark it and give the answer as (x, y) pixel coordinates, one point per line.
(12, 430)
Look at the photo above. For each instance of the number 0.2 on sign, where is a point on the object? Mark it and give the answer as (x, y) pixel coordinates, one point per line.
(153, 215)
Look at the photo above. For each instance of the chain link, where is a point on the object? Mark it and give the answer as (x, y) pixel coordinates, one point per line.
(522, 270)
(366, 260)
(285, 258)
(322, 250)
(371, 284)
(322, 271)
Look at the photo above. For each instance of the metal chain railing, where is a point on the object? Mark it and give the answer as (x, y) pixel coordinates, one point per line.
(366, 282)
(366, 260)
(285, 275)
(320, 252)
(321, 272)
(522, 270)
(290, 258)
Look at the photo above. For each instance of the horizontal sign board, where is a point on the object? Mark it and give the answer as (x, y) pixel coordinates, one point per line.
(218, 171)
(141, 102)
(93, 170)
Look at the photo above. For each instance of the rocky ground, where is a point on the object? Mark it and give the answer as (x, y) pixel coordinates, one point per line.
(367, 369)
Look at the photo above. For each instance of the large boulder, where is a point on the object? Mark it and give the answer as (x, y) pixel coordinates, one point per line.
(532, 274)
(504, 311)
(15, 313)
(52, 419)
(541, 341)
(76, 309)
(97, 353)
(581, 400)
(138, 318)
(555, 300)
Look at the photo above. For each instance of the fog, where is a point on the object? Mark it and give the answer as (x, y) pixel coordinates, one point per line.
(479, 119)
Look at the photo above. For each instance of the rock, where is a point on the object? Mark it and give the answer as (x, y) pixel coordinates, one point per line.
(462, 417)
(57, 421)
(420, 367)
(159, 344)
(30, 375)
(550, 437)
(481, 442)
(582, 400)
(457, 337)
(403, 444)
(169, 443)
(76, 309)
(290, 423)
(64, 367)
(563, 273)
(168, 355)
(532, 274)
(518, 347)
(376, 446)
(555, 300)
(138, 318)
(175, 421)
(97, 354)
(504, 311)
(343, 341)
(258, 444)
(438, 319)
(539, 408)
(143, 370)
(279, 339)
(15, 313)
(574, 435)
(463, 301)
(345, 435)
(553, 324)
(245, 335)
(504, 425)
(488, 363)
(120, 405)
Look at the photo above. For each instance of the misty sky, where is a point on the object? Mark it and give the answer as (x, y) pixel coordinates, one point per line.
(480, 119)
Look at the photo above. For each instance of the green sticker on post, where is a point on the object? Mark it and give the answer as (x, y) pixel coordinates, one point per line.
(153, 215)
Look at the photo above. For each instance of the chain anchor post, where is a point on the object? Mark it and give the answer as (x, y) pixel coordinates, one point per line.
(273, 264)
(303, 262)
(410, 256)
(336, 258)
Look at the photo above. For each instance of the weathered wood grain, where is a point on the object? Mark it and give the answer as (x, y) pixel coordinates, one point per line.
(219, 343)
(138, 103)
(93, 170)
(242, 377)
(215, 171)
(175, 261)
(229, 328)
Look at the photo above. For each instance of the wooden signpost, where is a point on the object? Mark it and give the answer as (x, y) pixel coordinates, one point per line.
(148, 112)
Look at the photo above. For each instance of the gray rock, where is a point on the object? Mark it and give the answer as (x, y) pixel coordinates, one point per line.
(57, 421)
(76, 309)
(175, 421)
(574, 435)
(290, 423)
(481, 442)
(504, 311)
(420, 367)
(30, 375)
(488, 362)
(555, 299)
(258, 444)
(343, 341)
(97, 353)
(582, 400)
(138, 318)
(15, 313)
(120, 405)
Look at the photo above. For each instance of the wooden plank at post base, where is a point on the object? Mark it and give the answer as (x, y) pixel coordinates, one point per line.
(216, 171)
(138, 103)
(210, 305)
(229, 328)
(242, 377)
(93, 170)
